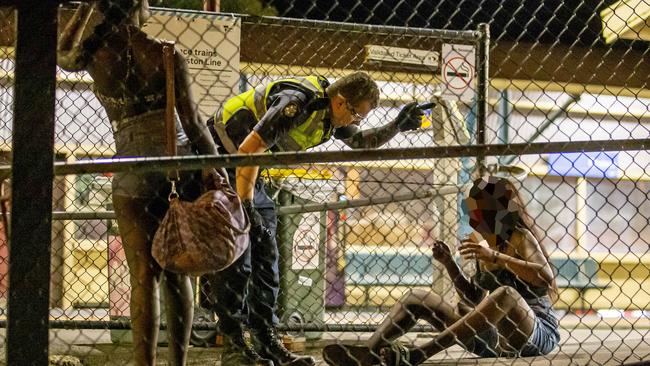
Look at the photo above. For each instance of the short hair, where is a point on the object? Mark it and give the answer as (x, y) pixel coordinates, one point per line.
(356, 88)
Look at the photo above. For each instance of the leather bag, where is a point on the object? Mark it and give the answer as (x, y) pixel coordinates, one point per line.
(208, 234)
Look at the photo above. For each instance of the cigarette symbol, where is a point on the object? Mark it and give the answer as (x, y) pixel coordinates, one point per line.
(462, 72)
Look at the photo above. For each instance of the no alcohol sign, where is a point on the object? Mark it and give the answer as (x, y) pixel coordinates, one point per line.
(458, 72)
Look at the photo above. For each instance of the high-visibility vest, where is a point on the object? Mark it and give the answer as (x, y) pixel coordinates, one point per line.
(308, 134)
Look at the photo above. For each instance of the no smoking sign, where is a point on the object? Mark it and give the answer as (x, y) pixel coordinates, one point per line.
(458, 72)
(306, 239)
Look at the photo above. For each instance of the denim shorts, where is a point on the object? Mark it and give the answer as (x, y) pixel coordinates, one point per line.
(544, 338)
(144, 136)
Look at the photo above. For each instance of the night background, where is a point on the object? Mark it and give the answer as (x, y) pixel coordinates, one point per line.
(568, 21)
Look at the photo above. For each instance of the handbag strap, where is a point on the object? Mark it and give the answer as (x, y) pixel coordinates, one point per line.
(4, 203)
(170, 120)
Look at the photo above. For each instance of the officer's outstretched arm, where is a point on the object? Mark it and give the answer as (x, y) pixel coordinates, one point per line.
(246, 175)
(369, 138)
(408, 119)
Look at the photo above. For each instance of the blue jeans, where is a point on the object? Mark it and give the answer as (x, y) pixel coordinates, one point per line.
(247, 291)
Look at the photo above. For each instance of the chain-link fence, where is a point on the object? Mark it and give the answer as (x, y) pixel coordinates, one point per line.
(551, 97)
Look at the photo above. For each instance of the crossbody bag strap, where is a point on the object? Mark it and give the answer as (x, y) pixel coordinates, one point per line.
(170, 120)
(5, 199)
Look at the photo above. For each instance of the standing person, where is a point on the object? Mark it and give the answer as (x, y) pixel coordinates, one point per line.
(286, 115)
(129, 81)
(507, 309)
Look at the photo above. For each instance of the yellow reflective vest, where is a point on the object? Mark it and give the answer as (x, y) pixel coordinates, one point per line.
(308, 134)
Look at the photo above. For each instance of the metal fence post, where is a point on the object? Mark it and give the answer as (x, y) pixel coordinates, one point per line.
(482, 85)
(33, 151)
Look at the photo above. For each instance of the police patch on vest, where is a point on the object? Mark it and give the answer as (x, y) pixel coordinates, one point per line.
(290, 110)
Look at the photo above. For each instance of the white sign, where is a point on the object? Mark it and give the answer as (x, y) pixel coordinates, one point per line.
(458, 72)
(210, 44)
(306, 240)
(305, 281)
(402, 55)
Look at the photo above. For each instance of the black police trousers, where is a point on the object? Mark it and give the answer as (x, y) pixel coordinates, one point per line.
(247, 291)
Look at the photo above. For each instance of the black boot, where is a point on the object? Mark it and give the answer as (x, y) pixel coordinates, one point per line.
(269, 346)
(236, 352)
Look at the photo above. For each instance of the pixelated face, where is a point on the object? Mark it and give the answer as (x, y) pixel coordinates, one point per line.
(492, 211)
(481, 216)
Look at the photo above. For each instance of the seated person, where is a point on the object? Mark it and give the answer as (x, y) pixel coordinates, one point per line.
(507, 304)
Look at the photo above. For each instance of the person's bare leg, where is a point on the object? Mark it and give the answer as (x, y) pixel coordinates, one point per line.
(145, 312)
(180, 314)
(515, 329)
(417, 304)
(144, 276)
(503, 306)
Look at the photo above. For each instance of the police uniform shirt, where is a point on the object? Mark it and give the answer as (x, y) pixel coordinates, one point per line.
(288, 106)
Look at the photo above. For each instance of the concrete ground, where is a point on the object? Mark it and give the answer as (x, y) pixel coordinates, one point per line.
(587, 340)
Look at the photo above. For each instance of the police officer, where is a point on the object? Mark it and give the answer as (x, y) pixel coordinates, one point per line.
(286, 115)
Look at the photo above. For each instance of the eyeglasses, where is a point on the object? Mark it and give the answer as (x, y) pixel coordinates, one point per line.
(355, 115)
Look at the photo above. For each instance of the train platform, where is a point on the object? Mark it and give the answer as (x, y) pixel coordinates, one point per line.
(590, 339)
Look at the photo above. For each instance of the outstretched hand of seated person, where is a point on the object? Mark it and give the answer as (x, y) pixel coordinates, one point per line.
(442, 253)
(471, 250)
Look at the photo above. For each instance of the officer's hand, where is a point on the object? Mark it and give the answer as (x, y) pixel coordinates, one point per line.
(253, 216)
(409, 118)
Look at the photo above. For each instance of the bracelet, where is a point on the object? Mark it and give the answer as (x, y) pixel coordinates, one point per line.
(495, 256)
